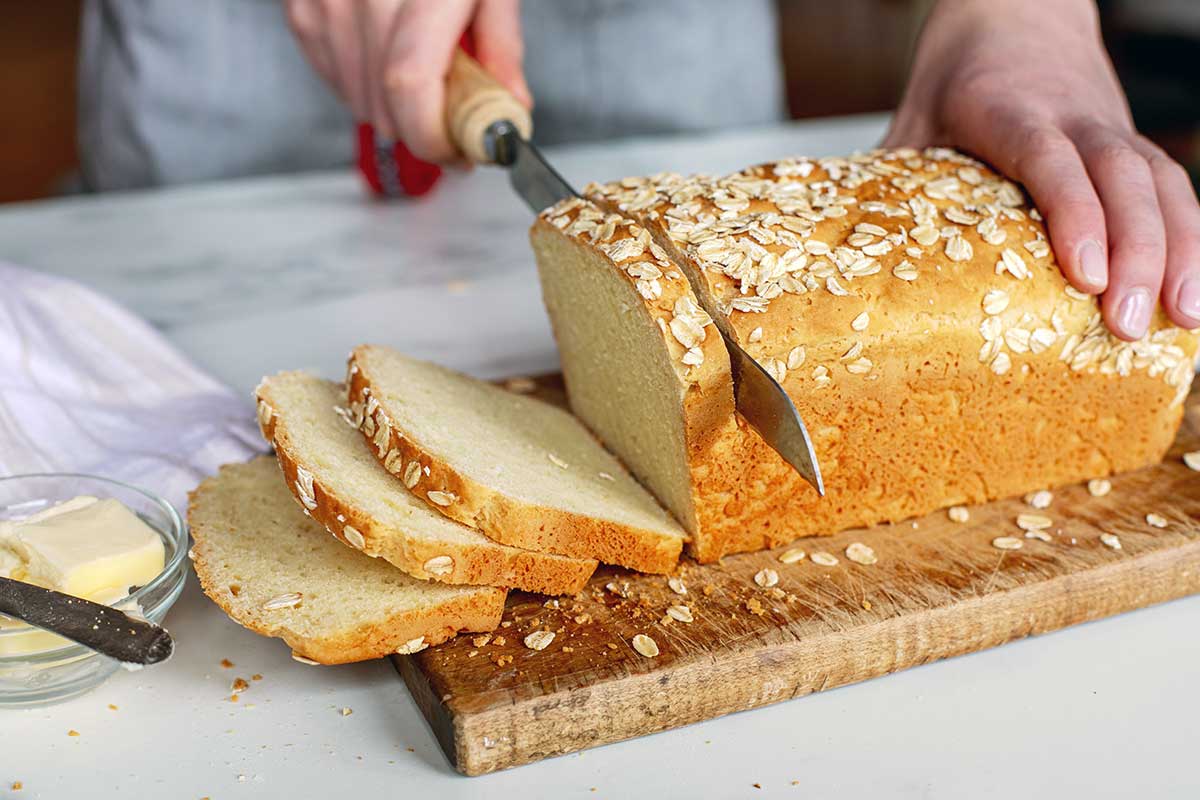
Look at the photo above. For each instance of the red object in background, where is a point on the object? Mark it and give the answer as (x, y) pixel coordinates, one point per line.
(388, 167)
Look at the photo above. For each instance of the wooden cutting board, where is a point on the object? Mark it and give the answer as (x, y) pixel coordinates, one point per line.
(939, 589)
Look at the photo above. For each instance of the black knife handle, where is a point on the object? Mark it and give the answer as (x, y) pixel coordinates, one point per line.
(104, 629)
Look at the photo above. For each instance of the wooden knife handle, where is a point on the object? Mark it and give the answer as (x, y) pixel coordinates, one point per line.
(474, 101)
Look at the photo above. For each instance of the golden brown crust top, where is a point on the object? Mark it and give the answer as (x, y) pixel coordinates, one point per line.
(841, 256)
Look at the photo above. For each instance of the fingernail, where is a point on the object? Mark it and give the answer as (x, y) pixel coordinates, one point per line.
(1189, 298)
(1092, 264)
(1133, 315)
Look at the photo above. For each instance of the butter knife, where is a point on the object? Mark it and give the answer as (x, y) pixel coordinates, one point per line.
(490, 126)
(104, 629)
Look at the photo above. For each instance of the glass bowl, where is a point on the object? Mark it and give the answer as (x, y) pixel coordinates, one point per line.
(50, 676)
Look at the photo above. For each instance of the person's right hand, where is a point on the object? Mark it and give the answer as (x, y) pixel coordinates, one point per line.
(387, 59)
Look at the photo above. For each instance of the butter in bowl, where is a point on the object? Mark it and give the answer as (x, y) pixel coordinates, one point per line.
(88, 537)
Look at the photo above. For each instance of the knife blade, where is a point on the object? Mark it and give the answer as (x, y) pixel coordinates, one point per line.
(491, 127)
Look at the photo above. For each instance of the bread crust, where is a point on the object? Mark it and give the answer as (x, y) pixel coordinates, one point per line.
(480, 610)
(789, 257)
(502, 518)
(479, 565)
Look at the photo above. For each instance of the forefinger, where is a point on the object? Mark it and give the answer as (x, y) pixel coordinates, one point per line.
(1136, 233)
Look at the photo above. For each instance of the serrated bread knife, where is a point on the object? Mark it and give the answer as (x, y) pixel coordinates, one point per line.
(490, 126)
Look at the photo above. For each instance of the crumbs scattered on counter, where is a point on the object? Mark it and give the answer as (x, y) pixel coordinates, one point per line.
(226, 663)
(239, 685)
(72, 732)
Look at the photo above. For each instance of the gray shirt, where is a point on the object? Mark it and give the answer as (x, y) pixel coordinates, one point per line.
(190, 90)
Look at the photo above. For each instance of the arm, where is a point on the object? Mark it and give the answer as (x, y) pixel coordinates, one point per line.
(1027, 86)
(387, 59)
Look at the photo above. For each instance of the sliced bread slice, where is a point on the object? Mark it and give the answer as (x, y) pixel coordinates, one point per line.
(342, 486)
(276, 572)
(523, 472)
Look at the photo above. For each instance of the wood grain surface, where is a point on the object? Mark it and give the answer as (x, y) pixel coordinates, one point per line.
(939, 589)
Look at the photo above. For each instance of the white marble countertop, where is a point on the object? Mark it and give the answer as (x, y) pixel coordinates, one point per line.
(254, 276)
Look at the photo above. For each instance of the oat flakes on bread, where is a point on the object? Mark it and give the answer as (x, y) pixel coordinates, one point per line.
(908, 301)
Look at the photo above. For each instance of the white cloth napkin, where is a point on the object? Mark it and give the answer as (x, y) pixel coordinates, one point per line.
(86, 386)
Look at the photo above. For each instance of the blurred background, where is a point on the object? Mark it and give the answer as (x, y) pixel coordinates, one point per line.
(1154, 43)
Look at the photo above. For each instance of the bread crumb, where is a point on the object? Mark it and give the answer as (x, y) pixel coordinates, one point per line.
(481, 640)
(233, 698)
(754, 606)
(256, 677)
(226, 663)
(347, 711)
(500, 641)
(72, 732)
(111, 707)
(239, 685)
(568, 649)
(866, 604)
(18, 786)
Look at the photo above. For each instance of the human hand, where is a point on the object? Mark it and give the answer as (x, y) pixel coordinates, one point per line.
(387, 59)
(1027, 86)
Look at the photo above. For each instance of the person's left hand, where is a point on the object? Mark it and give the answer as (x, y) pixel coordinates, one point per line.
(1027, 86)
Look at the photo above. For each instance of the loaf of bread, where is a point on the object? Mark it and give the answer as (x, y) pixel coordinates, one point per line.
(910, 304)
(338, 482)
(277, 572)
(523, 472)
